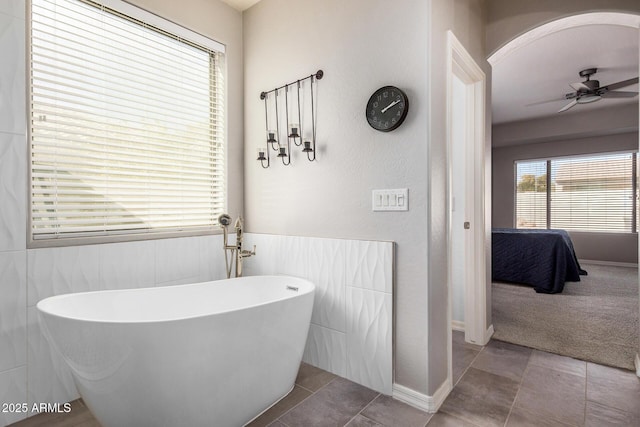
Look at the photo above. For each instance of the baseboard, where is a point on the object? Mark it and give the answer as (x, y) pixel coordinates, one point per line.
(457, 325)
(638, 364)
(610, 263)
(488, 334)
(421, 401)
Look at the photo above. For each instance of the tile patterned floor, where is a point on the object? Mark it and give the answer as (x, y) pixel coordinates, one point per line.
(500, 384)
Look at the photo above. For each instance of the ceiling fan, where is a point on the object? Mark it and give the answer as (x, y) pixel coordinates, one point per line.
(591, 91)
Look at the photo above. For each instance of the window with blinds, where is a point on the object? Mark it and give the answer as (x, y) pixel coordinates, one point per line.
(127, 123)
(586, 193)
(531, 194)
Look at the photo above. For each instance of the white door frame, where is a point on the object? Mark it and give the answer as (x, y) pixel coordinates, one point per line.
(461, 65)
(624, 19)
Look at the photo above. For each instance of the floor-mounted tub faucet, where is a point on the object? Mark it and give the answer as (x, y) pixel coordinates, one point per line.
(236, 251)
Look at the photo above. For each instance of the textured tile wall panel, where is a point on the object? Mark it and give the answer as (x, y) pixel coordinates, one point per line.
(363, 309)
(127, 265)
(292, 257)
(13, 190)
(13, 389)
(177, 260)
(12, 78)
(369, 345)
(13, 309)
(370, 265)
(326, 269)
(49, 379)
(211, 258)
(268, 254)
(15, 8)
(326, 349)
(55, 271)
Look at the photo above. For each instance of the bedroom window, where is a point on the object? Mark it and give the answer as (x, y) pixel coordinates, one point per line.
(584, 193)
(126, 126)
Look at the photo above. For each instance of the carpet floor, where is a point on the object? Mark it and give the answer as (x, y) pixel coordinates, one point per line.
(595, 319)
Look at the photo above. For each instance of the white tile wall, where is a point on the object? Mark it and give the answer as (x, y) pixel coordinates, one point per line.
(15, 8)
(370, 265)
(54, 271)
(127, 265)
(351, 324)
(13, 389)
(12, 78)
(326, 267)
(13, 190)
(49, 379)
(326, 348)
(177, 261)
(13, 309)
(369, 337)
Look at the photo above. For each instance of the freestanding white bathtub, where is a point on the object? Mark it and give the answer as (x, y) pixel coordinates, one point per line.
(208, 354)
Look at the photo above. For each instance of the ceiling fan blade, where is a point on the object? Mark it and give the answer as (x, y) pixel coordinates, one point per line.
(566, 107)
(578, 86)
(546, 101)
(614, 86)
(619, 94)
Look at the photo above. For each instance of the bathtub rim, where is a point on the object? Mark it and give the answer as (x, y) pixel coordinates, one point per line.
(42, 305)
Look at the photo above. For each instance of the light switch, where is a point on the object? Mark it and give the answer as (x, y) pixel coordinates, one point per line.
(390, 200)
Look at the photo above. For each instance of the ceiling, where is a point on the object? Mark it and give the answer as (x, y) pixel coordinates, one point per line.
(241, 5)
(543, 69)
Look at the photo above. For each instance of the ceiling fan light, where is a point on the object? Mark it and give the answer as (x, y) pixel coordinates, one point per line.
(585, 99)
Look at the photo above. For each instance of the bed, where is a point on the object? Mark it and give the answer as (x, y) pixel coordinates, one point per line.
(544, 259)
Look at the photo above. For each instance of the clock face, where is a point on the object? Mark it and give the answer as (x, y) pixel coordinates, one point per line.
(387, 108)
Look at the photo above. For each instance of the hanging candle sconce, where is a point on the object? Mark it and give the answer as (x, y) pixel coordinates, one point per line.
(293, 129)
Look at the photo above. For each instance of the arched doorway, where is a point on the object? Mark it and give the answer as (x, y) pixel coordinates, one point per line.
(597, 18)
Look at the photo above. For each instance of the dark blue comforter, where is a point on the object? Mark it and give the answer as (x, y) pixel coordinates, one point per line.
(544, 259)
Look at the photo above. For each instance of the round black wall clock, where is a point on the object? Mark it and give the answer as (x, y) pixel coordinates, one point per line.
(387, 108)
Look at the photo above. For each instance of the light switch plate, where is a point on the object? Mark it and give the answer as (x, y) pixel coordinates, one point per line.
(390, 200)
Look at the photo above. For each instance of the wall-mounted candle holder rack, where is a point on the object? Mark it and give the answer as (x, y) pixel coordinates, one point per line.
(293, 130)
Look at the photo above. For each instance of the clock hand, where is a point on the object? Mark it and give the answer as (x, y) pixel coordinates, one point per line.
(384, 110)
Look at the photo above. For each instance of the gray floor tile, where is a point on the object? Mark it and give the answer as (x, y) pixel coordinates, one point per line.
(277, 423)
(600, 415)
(333, 405)
(500, 358)
(360, 421)
(313, 378)
(613, 387)
(442, 419)
(481, 398)
(553, 394)
(523, 418)
(457, 338)
(559, 363)
(393, 413)
(297, 395)
(461, 359)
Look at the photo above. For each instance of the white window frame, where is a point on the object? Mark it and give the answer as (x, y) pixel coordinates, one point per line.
(162, 24)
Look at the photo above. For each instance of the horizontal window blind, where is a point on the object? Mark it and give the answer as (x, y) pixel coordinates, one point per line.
(585, 193)
(127, 125)
(531, 194)
(593, 193)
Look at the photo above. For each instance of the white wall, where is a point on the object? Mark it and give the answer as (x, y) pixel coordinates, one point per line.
(28, 370)
(362, 45)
